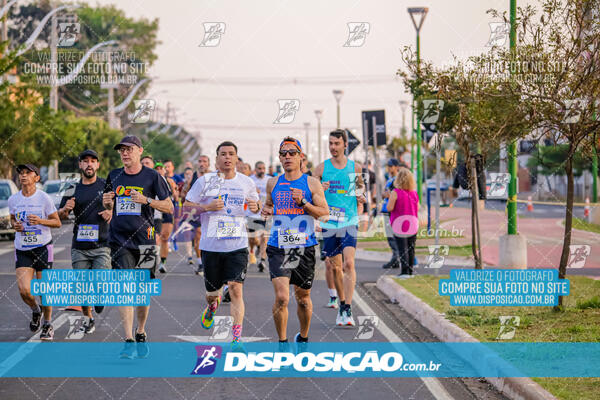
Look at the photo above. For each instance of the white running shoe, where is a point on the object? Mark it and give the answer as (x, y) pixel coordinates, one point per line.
(348, 319)
(339, 319)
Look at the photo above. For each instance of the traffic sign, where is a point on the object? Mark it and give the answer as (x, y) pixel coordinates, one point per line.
(353, 142)
(380, 126)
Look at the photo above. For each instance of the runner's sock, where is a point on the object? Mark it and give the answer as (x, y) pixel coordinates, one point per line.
(236, 331)
(283, 341)
(199, 260)
(342, 304)
(36, 309)
(332, 292)
(302, 339)
(163, 260)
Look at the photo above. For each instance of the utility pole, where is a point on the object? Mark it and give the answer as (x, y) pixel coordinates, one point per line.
(306, 142)
(54, 74)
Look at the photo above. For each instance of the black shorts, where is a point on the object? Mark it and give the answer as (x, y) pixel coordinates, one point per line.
(223, 267)
(297, 264)
(124, 258)
(167, 219)
(157, 225)
(256, 225)
(38, 258)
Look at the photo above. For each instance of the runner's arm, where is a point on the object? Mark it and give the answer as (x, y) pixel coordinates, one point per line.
(53, 221)
(267, 208)
(318, 209)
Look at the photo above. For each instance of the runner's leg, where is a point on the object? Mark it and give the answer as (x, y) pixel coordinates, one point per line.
(335, 263)
(280, 308)
(349, 273)
(237, 307)
(304, 310)
(24, 277)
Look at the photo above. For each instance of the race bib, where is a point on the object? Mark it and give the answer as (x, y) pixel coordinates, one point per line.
(125, 206)
(88, 233)
(229, 230)
(31, 238)
(290, 237)
(337, 213)
(148, 256)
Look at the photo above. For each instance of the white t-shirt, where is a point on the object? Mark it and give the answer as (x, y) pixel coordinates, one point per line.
(261, 185)
(223, 230)
(38, 204)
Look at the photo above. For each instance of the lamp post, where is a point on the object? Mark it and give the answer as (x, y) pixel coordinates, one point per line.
(403, 105)
(417, 15)
(319, 114)
(511, 205)
(306, 142)
(338, 97)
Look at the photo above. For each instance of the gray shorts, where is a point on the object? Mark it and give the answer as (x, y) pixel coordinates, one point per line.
(91, 259)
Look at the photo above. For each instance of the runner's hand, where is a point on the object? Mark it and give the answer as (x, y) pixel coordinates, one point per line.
(106, 214)
(325, 185)
(215, 205)
(70, 204)
(266, 211)
(107, 198)
(252, 205)
(297, 195)
(137, 197)
(33, 219)
(18, 226)
(361, 199)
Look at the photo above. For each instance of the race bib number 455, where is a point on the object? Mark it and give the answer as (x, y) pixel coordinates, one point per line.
(31, 238)
(125, 206)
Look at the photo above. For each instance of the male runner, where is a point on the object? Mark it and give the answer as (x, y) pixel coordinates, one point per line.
(203, 168)
(221, 200)
(343, 186)
(170, 172)
(130, 192)
(257, 225)
(32, 214)
(89, 247)
(294, 200)
(148, 162)
(167, 218)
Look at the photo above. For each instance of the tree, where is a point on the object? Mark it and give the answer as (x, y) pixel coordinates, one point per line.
(161, 147)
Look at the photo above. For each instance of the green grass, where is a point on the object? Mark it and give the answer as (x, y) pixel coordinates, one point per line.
(454, 251)
(578, 322)
(583, 225)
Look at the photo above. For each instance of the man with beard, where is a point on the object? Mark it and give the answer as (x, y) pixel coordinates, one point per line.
(89, 248)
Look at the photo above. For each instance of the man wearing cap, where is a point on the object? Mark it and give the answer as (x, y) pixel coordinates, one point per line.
(167, 219)
(32, 213)
(392, 166)
(133, 193)
(89, 247)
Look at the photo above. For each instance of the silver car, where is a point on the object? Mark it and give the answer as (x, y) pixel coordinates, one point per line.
(56, 189)
(7, 189)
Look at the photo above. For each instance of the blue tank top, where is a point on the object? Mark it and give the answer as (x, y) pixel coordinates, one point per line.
(292, 227)
(341, 195)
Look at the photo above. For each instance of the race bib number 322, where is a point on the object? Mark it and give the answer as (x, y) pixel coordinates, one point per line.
(125, 206)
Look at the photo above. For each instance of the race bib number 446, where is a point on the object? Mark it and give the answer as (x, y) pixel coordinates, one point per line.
(125, 206)
(87, 233)
(31, 238)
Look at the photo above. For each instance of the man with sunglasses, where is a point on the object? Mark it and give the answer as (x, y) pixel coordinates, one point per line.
(294, 200)
(344, 187)
(133, 193)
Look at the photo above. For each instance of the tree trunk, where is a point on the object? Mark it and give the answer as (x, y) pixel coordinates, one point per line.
(564, 257)
(476, 239)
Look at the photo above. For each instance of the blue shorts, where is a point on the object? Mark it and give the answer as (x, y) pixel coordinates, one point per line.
(336, 240)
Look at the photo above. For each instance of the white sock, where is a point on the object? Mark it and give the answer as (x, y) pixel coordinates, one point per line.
(200, 260)
(332, 292)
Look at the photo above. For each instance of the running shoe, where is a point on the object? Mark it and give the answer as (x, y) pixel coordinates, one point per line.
(162, 268)
(300, 346)
(284, 347)
(226, 296)
(90, 327)
(333, 303)
(252, 258)
(200, 269)
(98, 309)
(237, 346)
(190, 260)
(128, 349)
(261, 266)
(391, 264)
(207, 323)
(47, 332)
(142, 347)
(339, 319)
(348, 320)
(34, 324)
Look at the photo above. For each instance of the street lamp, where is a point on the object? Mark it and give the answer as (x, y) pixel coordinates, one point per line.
(403, 105)
(338, 97)
(306, 129)
(319, 114)
(417, 15)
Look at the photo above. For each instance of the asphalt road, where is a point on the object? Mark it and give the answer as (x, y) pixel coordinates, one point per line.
(175, 316)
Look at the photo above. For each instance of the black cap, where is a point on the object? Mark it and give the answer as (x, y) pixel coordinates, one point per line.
(392, 162)
(30, 167)
(88, 152)
(129, 141)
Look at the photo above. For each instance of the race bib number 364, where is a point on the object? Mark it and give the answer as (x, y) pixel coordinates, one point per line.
(125, 206)
(291, 238)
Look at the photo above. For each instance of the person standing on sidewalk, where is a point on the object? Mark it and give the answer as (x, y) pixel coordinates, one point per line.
(392, 169)
(131, 193)
(403, 204)
(89, 248)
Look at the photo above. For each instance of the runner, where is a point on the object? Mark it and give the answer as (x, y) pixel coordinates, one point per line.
(32, 214)
(294, 200)
(89, 247)
(257, 225)
(203, 168)
(130, 192)
(167, 218)
(343, 186)
(170, 172)
(148, 162)
(221, 200)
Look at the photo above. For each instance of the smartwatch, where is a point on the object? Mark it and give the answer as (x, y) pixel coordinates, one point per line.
(303, 202)
(148, 200)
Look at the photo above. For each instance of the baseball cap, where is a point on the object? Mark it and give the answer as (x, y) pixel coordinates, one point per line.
(295, 142)
(159, 164)
(30, 167)
(129, 141)
(393, 162)
(86, 153)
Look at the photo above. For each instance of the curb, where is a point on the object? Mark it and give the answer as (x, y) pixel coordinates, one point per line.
(436, 323)
(385, 256)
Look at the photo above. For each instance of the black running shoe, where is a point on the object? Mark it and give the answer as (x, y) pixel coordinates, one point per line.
(261, 266)
(128, 349)
(142, 347)
(34, 324)
(391, 264)
(200, 269)
(98, 309)
(90, 327)
(226, 296)
(47, 332)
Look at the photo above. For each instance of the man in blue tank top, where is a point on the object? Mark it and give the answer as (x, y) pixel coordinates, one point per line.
(344, 192)
(294, 200)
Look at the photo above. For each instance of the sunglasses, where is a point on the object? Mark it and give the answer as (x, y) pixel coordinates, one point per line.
(292, 152)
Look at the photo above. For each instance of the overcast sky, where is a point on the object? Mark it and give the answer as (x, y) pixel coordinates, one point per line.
(282, 40)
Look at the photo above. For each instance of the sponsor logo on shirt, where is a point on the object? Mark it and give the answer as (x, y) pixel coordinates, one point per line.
(126, 190)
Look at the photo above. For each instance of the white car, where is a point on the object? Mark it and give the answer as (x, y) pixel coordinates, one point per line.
(56, 189)
(7, 189)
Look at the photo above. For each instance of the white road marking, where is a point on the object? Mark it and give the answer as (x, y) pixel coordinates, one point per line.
(199, 339)
(433, 384)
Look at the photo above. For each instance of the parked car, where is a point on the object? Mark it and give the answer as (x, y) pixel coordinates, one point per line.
(7, 189)
(56, 189)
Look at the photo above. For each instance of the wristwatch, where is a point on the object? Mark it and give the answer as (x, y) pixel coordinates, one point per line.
(303, 202)
(148, 200)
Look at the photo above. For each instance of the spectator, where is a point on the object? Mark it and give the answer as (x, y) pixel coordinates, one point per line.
(403, 204)
(392, 167)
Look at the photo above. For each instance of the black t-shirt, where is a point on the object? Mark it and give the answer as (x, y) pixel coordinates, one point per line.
(90, 230)
(132, 223)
